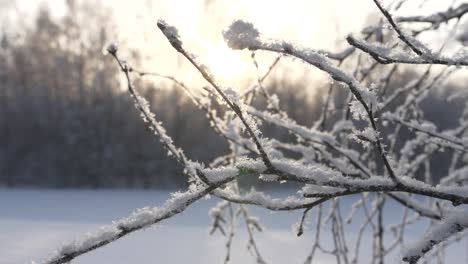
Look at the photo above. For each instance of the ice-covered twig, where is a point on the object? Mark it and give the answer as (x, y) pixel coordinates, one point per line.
(273, 102)
(321, 176)
(274, 204)
(368, 222)
(143, 106)
(242, 35)
(316, 246)
(232, 230)
(387, 55)
(448, 227)
(238, 37)
(438, 17)
(460, 144)
(251, 224)
(423, 55)
(412, 43)
(415, 205)
(138, 220)
(457, 176)
(254, 87)
(204, 104)
(231, 99)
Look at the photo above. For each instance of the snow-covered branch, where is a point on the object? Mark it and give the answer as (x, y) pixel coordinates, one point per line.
(243, 35)
(138, 220)
(438, 17)
(230, 96)
(387, 55)
(448, 227)
(360, 145)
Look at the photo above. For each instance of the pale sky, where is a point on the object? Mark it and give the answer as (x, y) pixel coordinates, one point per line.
(318, 24)
(314, 23)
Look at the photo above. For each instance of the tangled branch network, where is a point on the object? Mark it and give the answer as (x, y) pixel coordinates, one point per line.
(358, 148)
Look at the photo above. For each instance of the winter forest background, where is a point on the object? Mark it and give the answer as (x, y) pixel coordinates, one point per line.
(67, 123)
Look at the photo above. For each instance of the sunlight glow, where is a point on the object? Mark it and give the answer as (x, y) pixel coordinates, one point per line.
(227, 65)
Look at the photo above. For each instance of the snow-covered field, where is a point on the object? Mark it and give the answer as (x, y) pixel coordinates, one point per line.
(35, 222)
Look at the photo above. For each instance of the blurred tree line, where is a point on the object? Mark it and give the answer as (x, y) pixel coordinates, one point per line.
(66, 123)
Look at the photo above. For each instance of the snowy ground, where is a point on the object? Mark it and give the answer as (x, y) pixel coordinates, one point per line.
(35, 222)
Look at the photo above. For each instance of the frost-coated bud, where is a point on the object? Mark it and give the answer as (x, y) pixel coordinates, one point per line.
(241, 35)
(112, 48)
(171, 34)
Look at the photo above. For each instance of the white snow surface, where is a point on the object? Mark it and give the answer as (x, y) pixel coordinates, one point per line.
(34, 223)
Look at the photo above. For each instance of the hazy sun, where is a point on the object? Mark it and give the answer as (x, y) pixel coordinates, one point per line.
(227, 65)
